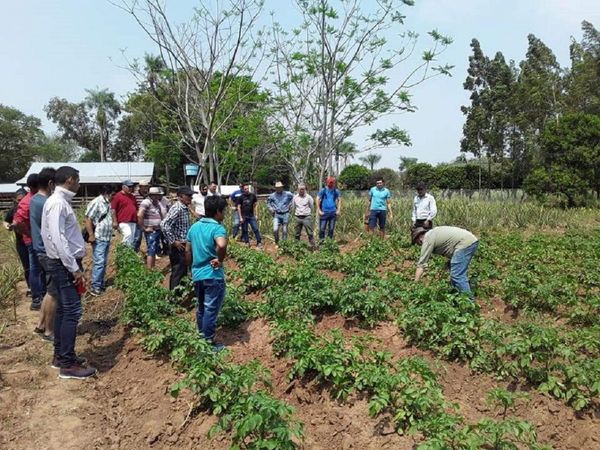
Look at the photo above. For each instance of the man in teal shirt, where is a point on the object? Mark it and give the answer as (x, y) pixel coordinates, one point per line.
(205, 250)
(379, 197)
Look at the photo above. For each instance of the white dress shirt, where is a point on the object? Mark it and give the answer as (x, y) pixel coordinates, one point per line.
(60, 230)
(424, 208)
(198, 203)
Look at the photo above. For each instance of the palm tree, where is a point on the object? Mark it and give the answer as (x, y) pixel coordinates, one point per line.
(107, 109)
(371, 159)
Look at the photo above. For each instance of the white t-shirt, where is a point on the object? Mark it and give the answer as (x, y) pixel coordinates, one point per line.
(198, 204)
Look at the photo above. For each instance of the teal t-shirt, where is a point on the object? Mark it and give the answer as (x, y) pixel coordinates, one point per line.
(202, 237)
(379, 198)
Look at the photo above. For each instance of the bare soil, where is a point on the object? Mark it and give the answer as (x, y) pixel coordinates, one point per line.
(128, 405)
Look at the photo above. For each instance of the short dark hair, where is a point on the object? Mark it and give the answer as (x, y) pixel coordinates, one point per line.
(203, 186)
(64, 173)
(45, 176)
(213, 205)
(421, 185)
(107, 189)
(213, 182)
(379, 179)
(33, 181)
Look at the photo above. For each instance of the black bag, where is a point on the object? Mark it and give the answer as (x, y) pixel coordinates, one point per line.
(84, 231)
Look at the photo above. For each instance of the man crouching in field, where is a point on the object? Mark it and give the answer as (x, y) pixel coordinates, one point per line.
(206, 248)
(455, 243)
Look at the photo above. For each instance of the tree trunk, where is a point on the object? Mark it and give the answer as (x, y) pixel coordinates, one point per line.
(101, 145)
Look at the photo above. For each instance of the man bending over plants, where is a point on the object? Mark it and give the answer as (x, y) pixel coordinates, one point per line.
(452, 242)
(205, 250)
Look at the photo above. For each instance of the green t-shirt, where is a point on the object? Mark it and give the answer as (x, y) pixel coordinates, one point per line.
(202, 237)
(444, 241)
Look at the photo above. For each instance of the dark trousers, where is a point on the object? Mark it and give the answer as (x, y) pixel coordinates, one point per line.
(68, 313)
(179, 268)
(251, 221)
(37, 283)
(327, 222)
(421, 223)
(23, 257)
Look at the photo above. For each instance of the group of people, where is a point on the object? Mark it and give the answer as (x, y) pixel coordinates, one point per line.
(51, 244)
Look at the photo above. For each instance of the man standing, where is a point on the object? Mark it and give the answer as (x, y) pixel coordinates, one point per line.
(247, 210)
(99, 225)
(124, 213)
(235, 199)
(22, 224)
(206, 248)
(140, 194)
(212, 189)
(65, 249)
(379, 197)
(45, 325)
(152, 212)
(19, 244)
(198, 202)
(424, 208)
(175, 227)
(452, 242)
(303, 205)
(279, 203)
(329, 204)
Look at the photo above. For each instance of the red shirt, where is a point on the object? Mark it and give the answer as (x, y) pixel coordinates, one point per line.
(22, 217)
(125, 207)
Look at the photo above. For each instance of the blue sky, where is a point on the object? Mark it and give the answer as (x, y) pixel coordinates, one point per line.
(61, 47)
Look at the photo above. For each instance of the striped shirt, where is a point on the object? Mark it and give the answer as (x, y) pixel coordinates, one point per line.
(177, 223)
(97, 209)
(154, 212)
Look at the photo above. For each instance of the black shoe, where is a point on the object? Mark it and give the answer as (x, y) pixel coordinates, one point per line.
(77, 372)
(36, 305)
(79, 361)
(39, 331)
(28, 293)
(95, 292)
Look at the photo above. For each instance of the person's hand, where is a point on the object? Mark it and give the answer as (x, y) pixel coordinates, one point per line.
(427, 224)
(149, 229)
(241, 220)
(337, 212)
(7, 226)
(115, 226)
(78, 277)
(92, 238)
(215, 263)
(321, 212)
(179, 245)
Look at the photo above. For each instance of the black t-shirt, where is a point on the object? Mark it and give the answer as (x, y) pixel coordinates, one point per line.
(247, 202)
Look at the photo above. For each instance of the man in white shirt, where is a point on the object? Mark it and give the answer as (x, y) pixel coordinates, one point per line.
(424, 208)
(198, 202)
(303, 205)
(65, 248)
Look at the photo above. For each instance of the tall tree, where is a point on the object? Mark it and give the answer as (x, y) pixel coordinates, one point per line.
(74, 123)
(371, 159)
(106, 109)
(20, 134)
(333, 75)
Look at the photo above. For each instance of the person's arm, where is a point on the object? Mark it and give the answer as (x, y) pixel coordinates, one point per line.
(89, 226)
(338, 206)
(239, 210)
(113, 211)
(369, 200)
(320, 203)
(20, 219)
(165, 226)
(270, 204)
(188, 253)
(56, 227)
(426, 251)
(389, 205)
(414, 212)
(221, 248)
(419, 273)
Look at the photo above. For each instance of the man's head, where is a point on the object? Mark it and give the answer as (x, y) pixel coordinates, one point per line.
(330, 181)
(46, 179)
(421, 189)
(19, 194)
(214, 207)
(279, 187)
(67, 178)
(417, 235)
(379, 183)
(212, 187)
(302, 189)
(107, 192)
(127, 186)
(246, 188)
(184, 194)
(143, 188)
(33, 182)
(203, 189)
(155, 194)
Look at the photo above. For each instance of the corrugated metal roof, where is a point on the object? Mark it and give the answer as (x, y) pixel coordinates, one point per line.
(100, 173)
(9, 188)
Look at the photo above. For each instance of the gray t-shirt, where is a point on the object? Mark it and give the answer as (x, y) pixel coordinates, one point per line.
(444, 241)
(303, 205)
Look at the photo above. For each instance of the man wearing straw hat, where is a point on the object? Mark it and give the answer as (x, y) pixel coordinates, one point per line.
(151, 213)
(279, 203)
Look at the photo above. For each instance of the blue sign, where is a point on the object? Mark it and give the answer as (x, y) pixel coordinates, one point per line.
(191, 170)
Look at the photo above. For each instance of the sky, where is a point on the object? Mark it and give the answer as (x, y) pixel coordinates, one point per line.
(61, 48)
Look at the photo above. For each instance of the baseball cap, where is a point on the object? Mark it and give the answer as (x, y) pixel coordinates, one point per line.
(184, 190)
(128, 183)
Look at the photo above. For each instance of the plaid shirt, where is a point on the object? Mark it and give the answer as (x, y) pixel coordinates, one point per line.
(95, 210)
(176, 224)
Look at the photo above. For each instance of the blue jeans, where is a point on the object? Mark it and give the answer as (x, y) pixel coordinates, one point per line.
(327, 220)
(210, 294)
(137, 238)
(68, 313)
(99, 262)
(281, 219)
(236, 222)
(37, 283)
(153, 242)
(458, 268)
(377, 216)
(254, 224)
